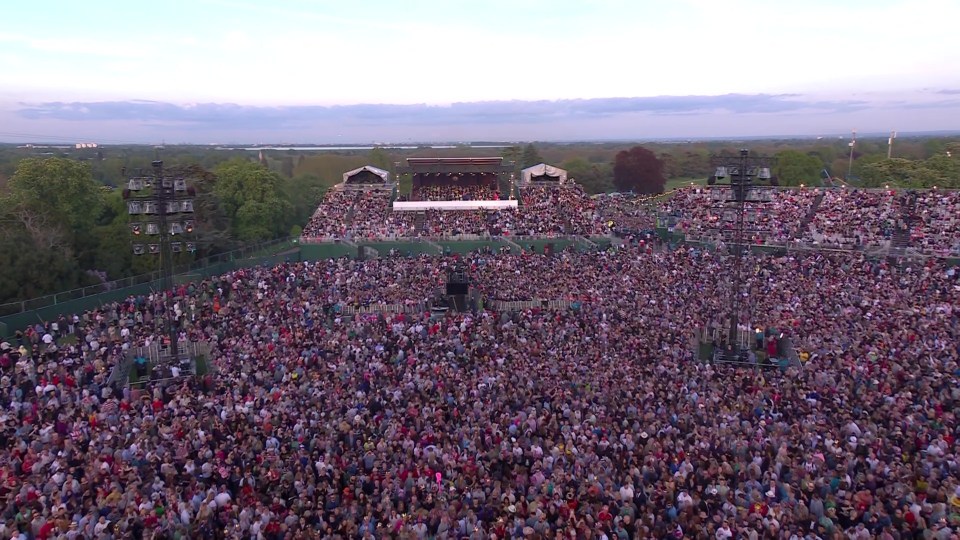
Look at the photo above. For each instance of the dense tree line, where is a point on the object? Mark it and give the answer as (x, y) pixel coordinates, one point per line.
(62, 229)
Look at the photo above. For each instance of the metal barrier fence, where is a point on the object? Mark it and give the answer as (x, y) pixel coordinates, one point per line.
(445, 238)
(394, 309)
(154, 354)
(523, 305)
(710, 335)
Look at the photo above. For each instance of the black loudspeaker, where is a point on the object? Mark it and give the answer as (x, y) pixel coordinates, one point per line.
(360, 255)
(457, 289)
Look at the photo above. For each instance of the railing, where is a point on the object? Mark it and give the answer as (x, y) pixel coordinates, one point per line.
(154, 354)
(13, 308)
(709, 335)
(866, 249)
(523, 305)
(443, 238)
(371, 309)
(311, 240)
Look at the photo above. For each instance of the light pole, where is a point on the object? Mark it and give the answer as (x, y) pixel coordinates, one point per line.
(741, 174)
(161, 207)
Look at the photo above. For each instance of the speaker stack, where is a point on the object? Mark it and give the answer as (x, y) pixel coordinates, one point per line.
(458, 288)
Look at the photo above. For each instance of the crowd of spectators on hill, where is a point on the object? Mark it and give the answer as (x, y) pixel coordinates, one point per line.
(557, 210)
(625, 214)
(851, 218)
(936, 228)
(546, 211)
(454, 192)
(706, 213)
(330, 218)
(842, 218)
(369, 215)
(589, 422)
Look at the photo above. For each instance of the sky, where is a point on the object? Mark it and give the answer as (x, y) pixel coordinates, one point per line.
(318, 71)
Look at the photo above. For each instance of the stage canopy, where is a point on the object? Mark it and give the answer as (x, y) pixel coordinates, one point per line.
(366, 175)
(543, 173)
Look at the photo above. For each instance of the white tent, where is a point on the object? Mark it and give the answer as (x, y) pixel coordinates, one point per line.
(554, 174)
(368, 168)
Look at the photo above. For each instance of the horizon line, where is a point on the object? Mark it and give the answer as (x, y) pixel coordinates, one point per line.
(26, 139)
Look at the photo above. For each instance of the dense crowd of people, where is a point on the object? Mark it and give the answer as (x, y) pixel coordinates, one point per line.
(827, 218)
(850, 218)
(703, 213)
(596, 421)
(936, 227)
(842, 218)
(330, 218)
(625, 214)
(558, 210)
(455, 192)
(546, 211)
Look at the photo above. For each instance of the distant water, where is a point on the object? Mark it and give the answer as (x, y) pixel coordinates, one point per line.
(341, 148)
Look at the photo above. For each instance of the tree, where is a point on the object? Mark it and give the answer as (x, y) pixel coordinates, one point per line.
(379, 158)
(939, 170)
(252, 200)
(638, 170)
(60, 192)
(29, 272)
(794, 168)
(512, 154)
(286, 167)
(212, 226)
(594, 177)
(304, 193)
(530, 157)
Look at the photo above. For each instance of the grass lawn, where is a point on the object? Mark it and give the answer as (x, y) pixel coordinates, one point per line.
(675, 183)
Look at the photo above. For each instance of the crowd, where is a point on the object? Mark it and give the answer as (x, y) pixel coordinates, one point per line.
(936, 226)
(776, 219)
(330, 218)
(558, 210)
(833, 218)
(457, 192)
(546, 211)
(625, 214)
(850, 218)
(590, 422)
(368, 219)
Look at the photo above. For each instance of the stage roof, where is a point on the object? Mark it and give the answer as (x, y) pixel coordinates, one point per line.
(384, 175)
(531, 174)
(454, 165)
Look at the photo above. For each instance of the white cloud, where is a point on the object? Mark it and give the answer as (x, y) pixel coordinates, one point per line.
(307, 53)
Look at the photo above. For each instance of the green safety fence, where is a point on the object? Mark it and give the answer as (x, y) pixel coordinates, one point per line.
(48, 308)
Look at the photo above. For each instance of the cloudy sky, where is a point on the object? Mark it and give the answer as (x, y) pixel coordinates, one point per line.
(319, 71)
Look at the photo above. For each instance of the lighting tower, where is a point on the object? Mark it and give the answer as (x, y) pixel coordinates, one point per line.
(161, 208)
(741, 174)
